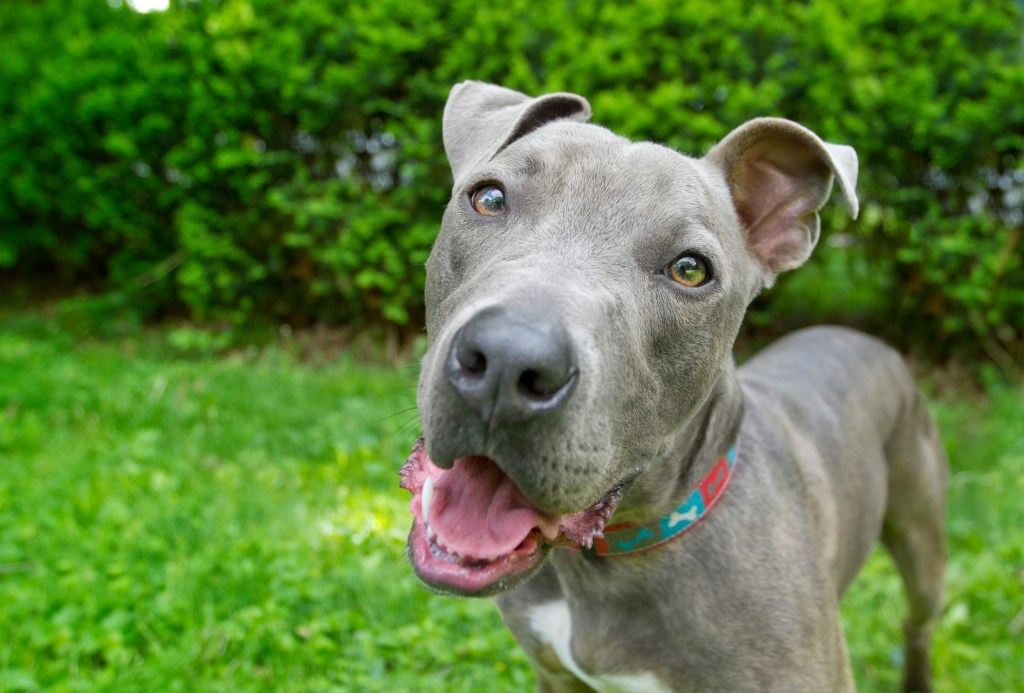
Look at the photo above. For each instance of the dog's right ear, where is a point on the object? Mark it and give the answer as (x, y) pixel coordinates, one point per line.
(780, 174)
(482, 119)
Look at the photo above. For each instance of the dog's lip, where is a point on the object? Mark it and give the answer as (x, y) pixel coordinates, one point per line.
(447, 570)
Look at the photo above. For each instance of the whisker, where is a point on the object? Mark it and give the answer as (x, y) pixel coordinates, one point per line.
(397, 413)
(407, 424)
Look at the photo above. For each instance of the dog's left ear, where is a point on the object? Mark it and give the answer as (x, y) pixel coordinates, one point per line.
(482, 119)
(780, 174)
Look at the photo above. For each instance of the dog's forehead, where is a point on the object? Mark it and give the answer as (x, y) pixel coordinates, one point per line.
(589, 162)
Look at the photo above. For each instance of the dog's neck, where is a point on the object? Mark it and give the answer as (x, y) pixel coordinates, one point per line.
(628, 539)
(689, 456)
(707, 437)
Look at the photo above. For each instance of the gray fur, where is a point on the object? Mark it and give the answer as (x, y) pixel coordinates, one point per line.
(836, 447)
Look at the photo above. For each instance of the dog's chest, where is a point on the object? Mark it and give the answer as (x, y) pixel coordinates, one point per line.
(551, 623)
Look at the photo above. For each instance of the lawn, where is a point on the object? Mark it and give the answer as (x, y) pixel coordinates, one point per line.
(177, 519)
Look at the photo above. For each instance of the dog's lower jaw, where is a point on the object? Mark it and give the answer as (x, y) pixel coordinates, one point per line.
(481, 579)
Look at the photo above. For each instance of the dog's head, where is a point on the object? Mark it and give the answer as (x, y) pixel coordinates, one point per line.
(582, 301)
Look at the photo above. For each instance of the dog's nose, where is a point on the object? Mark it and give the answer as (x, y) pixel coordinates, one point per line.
(509, 367)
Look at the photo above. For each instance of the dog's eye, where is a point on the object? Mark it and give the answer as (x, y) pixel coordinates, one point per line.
(689, 270)
(489, 200)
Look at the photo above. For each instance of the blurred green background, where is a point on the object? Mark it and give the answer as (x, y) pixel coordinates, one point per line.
(213, 224)
(253, 160)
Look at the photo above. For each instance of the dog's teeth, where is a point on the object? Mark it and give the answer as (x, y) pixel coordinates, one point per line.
(431, 535)
(428, 493)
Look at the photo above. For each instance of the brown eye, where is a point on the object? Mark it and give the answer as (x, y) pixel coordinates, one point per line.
(689, 270)
(489, 200)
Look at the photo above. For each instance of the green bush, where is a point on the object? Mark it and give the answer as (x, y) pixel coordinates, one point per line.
(252, 158)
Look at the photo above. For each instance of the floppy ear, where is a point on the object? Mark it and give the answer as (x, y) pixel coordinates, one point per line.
(482, 119)
(780, 174)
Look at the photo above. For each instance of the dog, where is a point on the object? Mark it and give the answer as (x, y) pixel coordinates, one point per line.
(648, 516)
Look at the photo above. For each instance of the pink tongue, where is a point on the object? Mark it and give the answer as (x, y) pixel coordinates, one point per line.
(477, 511)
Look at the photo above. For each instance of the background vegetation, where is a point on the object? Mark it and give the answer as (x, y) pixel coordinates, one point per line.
(249, 159)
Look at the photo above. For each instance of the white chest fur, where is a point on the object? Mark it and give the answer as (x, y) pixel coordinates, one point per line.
(552, 624)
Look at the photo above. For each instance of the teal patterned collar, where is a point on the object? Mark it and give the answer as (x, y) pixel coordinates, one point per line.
(626, 539)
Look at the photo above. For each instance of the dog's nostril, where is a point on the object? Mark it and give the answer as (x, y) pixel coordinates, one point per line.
(474, 362)
(530, 384)
(468, 357)
(541, 386)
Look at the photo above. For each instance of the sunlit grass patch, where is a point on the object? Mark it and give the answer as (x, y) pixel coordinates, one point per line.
(215, 523)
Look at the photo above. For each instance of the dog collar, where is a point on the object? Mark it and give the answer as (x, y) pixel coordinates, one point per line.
(626, 539)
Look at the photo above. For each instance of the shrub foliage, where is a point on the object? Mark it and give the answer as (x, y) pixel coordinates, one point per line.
(243, 158)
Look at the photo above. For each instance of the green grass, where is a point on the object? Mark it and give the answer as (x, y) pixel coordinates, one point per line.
(171, 520)
(979, 645)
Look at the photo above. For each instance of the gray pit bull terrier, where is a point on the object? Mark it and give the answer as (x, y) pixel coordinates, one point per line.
(648, 516)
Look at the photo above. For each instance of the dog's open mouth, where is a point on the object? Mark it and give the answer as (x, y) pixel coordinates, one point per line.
(475, 532)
